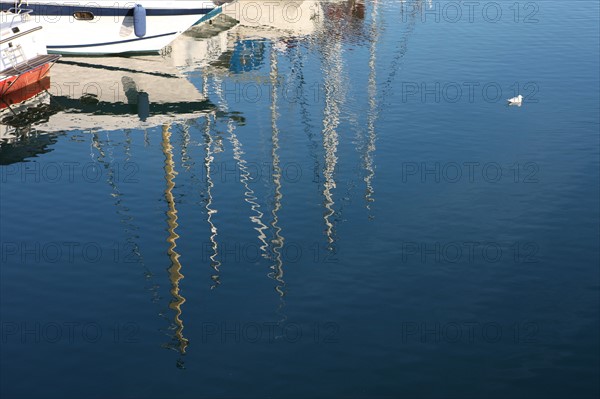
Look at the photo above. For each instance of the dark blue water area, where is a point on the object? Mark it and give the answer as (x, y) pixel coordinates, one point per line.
(362, 216)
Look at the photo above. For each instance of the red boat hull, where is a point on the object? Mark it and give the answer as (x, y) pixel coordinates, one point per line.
(18, 96)
(14, 83)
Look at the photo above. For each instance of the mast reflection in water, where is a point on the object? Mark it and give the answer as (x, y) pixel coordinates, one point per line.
(267, 221)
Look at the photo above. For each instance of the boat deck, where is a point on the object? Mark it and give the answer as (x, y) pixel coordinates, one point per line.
(30, 65)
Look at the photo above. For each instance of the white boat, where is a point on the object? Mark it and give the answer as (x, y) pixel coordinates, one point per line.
(114, 26)
(23, 56)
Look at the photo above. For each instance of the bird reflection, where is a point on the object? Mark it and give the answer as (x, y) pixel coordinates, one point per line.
(175, 276)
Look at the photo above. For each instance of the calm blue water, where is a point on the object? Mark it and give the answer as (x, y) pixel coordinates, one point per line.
(345, 208)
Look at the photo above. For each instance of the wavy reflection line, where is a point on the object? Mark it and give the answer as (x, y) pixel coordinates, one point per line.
(278, 240)
(127, 145)
(131, 228)
(333, 70)
(188, 162)
(208, 161)
(204, 86)
(245, 174)
(146, 138)
(402, 46)
(373, 114)
(186, 159)
(175, 275)
(127, 220)
(298, 69)
(249, 196)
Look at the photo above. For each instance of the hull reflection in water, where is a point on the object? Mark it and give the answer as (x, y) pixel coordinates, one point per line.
(20, 110)
(97, 94)
(121, 93)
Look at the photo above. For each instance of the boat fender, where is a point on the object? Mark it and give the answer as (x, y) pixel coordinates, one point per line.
(139, 20)
(143, 106)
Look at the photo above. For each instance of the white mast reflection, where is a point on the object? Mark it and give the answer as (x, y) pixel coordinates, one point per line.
(208, 160)
(122, 211)
(373, 112)
(245, 175)
(334, 98)
(278, 241)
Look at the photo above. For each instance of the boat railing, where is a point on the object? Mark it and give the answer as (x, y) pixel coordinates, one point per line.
(19, 12)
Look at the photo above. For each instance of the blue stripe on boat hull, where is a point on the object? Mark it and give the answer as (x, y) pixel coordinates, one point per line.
(60, 10)
(75, 46)
(213, 13)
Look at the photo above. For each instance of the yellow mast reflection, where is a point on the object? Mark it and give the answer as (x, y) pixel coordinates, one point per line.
(175, 275)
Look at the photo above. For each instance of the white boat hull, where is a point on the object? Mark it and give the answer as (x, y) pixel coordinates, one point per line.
(109, 27)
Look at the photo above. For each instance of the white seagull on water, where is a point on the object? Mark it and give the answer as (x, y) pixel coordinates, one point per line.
(516, 100)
